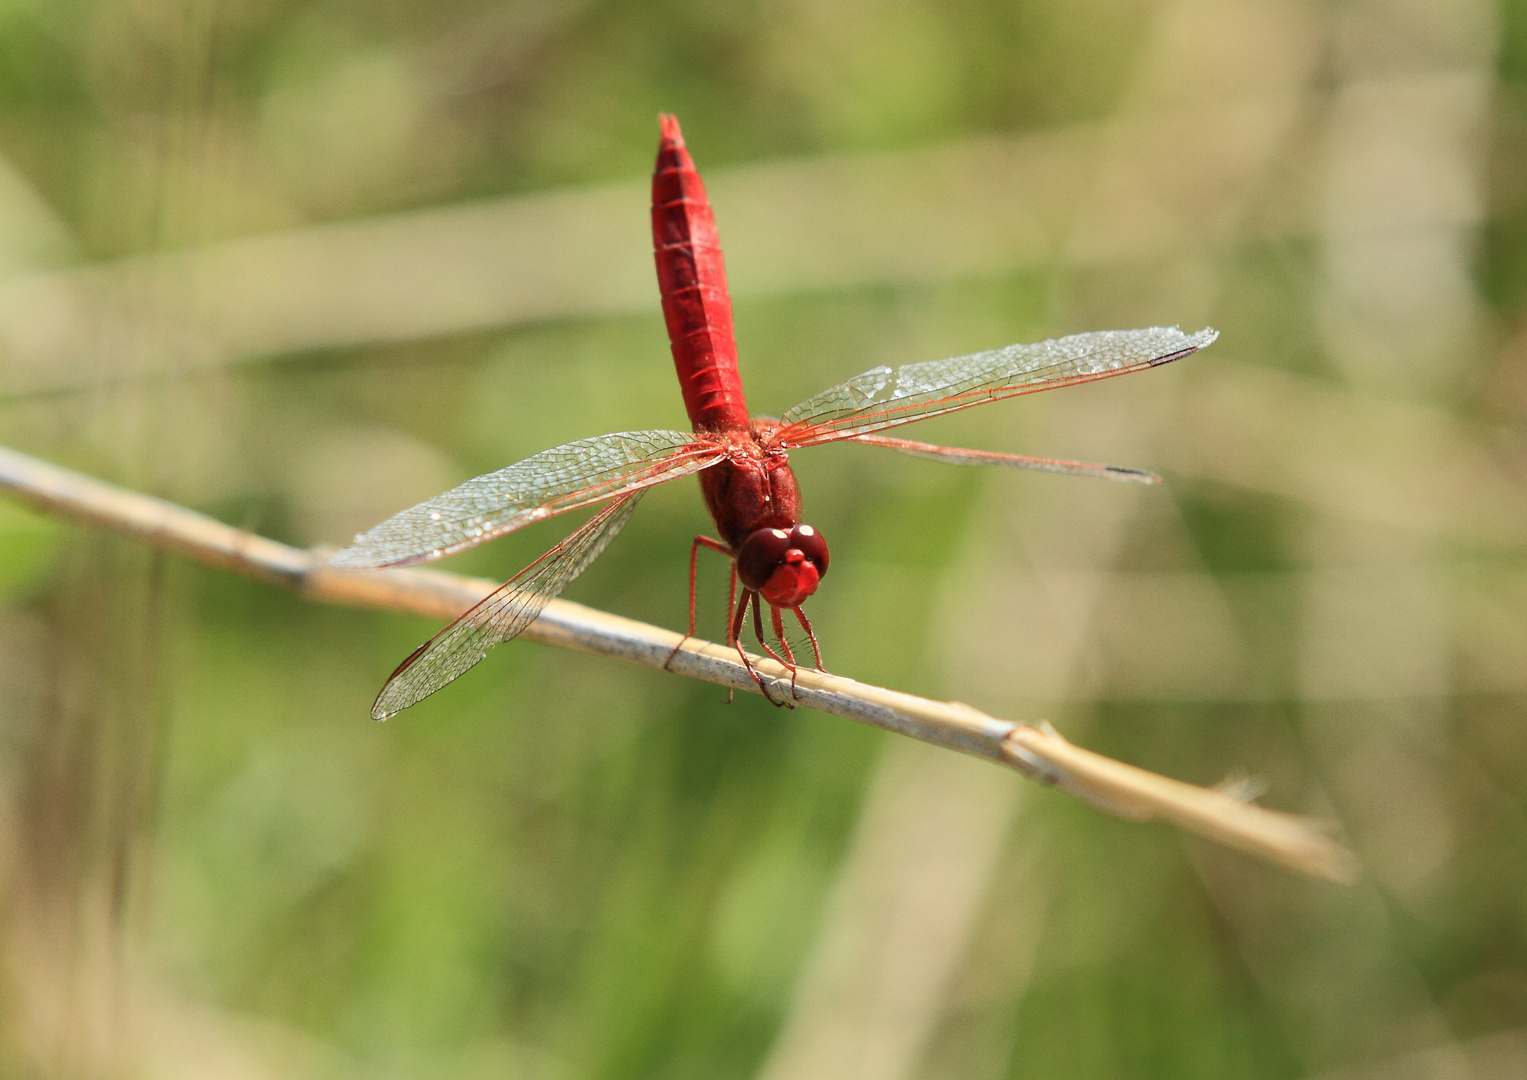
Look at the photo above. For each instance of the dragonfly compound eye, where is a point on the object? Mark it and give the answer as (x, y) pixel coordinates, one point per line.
(761, 552)
(812, 546)
(782, 566)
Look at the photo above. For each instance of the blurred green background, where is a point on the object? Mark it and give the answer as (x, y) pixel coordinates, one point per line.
(300, 264)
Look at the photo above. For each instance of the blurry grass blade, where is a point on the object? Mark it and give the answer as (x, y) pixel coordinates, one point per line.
(961, 209)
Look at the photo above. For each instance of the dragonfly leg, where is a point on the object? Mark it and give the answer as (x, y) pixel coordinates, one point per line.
(734, 639)
(750, 597)
(731, 599)
(779, 633)
(731, 632)
(694, 563)
(759, 634)
(764, 644)
(812, 634)
(734, 632)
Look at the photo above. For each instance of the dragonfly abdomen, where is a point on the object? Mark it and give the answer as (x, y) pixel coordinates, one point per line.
(692, 280)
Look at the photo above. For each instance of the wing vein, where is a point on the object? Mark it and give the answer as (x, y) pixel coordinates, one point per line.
(564, 478)
(882, 398)
(504, 613)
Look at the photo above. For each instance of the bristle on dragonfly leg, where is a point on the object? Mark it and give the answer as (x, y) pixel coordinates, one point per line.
(758, 632)
(816, 649)
(784, 643)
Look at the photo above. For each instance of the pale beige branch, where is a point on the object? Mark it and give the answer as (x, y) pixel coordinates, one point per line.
(1035, 750)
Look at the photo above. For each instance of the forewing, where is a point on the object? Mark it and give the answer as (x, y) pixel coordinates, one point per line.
(882, 398)
(502, 615)
(552, 482)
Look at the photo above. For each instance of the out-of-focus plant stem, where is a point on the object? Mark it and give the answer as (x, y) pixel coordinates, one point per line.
(1036, 750)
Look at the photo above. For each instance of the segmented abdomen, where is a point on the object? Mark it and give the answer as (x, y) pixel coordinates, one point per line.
(692, 280)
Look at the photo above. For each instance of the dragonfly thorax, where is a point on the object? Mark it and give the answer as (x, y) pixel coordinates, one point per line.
(783, 565)
(750, 491)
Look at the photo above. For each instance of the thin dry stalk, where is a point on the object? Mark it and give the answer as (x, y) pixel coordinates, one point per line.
(1037, 751)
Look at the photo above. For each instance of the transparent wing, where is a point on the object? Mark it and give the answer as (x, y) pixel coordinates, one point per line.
(502, 615)
(882, 398)
(954, 455)
(552, 482)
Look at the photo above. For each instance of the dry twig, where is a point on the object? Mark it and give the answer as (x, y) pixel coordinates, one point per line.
(1038, 751)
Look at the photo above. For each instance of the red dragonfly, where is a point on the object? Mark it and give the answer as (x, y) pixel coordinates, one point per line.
(741, 459)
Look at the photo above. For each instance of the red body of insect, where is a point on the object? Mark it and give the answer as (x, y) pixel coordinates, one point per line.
(752, 495)
(691, 278)
(741, 461)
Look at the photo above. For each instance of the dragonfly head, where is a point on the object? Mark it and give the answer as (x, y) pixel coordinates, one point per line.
(783, 566)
